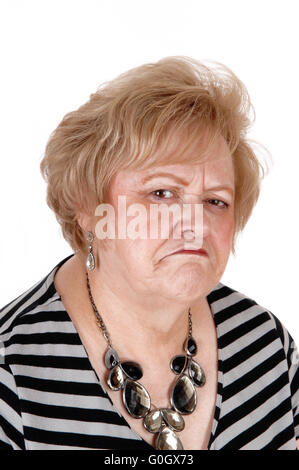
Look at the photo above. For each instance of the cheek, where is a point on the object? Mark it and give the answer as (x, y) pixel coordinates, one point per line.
(135, 254)
(223, 231)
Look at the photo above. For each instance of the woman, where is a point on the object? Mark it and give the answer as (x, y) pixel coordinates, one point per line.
(133, 342)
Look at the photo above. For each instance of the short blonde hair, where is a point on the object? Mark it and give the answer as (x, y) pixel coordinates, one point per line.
(127, 119)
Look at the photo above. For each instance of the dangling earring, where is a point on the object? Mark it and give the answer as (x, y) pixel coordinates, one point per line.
(90, 262)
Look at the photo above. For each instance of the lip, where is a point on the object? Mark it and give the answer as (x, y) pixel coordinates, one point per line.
(200, 252)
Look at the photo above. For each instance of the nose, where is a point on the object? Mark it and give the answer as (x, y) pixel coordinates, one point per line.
(195, 225)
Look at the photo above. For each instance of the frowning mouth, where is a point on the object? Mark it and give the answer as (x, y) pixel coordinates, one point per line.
(199, 252)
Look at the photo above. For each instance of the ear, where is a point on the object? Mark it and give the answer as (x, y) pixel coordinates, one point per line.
(85, 221)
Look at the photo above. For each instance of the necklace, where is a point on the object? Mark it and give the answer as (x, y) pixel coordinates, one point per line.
(124, 375)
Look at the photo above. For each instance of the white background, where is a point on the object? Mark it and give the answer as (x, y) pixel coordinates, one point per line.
(54, 54)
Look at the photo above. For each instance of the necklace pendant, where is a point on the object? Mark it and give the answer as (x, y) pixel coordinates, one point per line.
(190, 346)
(196, 374)
(111, 358)
(168, 440)
(183, 396)
(132, 370)
(155, 420)
(179, 364)
(165, 422)
(173, 419)
(115, 378)
(136, 399)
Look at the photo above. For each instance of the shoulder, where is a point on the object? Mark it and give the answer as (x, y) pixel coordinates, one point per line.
(16, 318)
(238, 316)
(32, 306)
(259, 362)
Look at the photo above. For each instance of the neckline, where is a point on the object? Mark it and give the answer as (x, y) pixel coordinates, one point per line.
(217, 409)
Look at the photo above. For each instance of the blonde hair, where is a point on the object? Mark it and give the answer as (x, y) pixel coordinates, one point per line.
(127, 119)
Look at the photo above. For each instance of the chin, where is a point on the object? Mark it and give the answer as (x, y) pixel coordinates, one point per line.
(189, 285)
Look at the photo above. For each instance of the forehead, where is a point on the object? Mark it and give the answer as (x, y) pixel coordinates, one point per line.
(215, 167)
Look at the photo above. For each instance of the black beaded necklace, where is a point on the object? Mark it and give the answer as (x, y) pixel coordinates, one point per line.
(124, 375)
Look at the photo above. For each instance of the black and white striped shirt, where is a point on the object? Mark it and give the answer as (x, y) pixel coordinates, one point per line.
(51, 398)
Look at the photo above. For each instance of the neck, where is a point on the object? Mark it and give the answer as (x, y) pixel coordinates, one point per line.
(143, 323)
(136, 324)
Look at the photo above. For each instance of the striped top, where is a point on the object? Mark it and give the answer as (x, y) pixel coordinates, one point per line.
(51, 398)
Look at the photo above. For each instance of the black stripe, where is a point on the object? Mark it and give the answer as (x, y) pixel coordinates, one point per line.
(45, 338)
(43, 298)
(71, 413)
(218, 294)
(81, 440)
(19, 304)
(295, 384)
(58, 362)
(5, 446)
(10, 398)
(241, 330)
(43, 316)
(228, 312)
(253, 375)
(8, 395)
(12, 433)
(279, 327)
(296, 418)
(37, 302)
(280, 439)
(259, 428)
(250, 405)
(60, 386)
(245, 353)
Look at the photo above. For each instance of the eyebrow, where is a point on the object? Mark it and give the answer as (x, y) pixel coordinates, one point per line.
(184, 182)
(169, 175)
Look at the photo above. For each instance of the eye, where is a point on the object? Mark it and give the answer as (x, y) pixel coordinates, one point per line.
(162, 194)
(218, 203)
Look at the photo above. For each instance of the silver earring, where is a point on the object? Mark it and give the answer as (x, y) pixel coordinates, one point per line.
(90, 262)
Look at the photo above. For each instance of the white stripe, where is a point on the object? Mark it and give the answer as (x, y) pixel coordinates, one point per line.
(48, 349)
(67, 399)
(242, 342)
(79, 427)
(23, 306)
(31, 445)
(238, 319)
(52, 373)
(11, 416)
(253, 417)
(253, 361)
(41, 327)
(251, 390)
(265, 438)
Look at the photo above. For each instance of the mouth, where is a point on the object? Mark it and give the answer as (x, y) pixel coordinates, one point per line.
(200, 252)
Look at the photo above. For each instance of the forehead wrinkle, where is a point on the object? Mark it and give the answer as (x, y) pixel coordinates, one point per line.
(186, 171)
(198, 178)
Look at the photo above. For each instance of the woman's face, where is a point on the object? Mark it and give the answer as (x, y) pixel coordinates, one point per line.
(148, 266)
